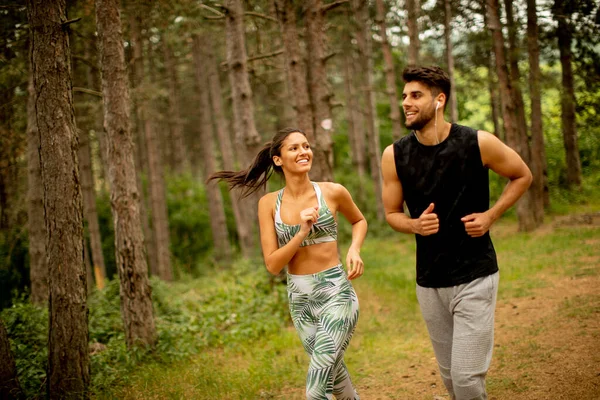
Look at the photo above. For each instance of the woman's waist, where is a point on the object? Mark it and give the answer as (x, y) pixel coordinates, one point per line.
(314, 258)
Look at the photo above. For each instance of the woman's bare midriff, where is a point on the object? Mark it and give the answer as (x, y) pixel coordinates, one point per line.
(314, 258)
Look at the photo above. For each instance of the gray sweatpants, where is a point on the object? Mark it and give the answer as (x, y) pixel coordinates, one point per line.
(460, 321)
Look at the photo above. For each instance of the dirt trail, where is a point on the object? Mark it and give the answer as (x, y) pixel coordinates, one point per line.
(547, 345)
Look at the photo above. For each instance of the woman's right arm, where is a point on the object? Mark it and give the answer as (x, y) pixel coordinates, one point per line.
(276, 258)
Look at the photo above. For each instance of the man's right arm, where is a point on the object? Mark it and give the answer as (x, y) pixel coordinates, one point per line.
(393, 202)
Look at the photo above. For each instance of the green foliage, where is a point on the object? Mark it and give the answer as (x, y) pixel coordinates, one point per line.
(189, 221)
(107, 232)
(390, 335)
(27, 327)
(14, 264)
(218, 310)
(223, 309)
(189, 226)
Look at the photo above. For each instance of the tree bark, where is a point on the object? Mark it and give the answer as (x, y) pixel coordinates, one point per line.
(412, 7)
(243, 105)
(450, 60)
(89, 275)
(156, 183)
(295, 66)
(495, 102)
(244, 230)
(524, 205)
(38, 269)
(84, 118)
(93, 82)
(494, 99)
(319, 91)
(568, 117)
(363, 39)
(68, 358)
(241, 95)
(140, 148)
(538, 150)
(216, 209)
(523, 147)
(355, 124)
(135, 292)
(390, 74)
(515, 81)
(9, 382)
(89, 207)
(179, 160)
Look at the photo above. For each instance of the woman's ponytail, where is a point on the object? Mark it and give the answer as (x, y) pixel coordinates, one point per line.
(252, 178)
(261, 169)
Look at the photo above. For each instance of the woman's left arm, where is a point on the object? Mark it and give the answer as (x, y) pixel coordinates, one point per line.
(350, 211)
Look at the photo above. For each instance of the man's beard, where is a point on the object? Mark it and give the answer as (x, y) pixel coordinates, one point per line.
(422, 120)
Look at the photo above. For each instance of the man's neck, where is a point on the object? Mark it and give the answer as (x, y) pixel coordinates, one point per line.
(431, 134)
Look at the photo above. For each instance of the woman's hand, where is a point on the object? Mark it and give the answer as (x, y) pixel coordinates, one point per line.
(355, 264)
(308, 217)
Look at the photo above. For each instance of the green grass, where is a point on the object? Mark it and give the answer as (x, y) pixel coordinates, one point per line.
(273, 366)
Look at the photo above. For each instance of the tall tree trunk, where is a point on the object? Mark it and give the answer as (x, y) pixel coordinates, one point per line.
(215, 200)
(495, 102)
(355, 123)
(135, 292)
(244, 230)
(523, 148)
(515, 81)
(243, 106)
(538, 150)
(319, 91)
(241, 94)
(568, 117)
(140, 156)
(89, 194)
(450, 59)
(390, 74)
(363, 39)
(89, 206)
(68, 357)
(38, 269)
(295, 66)
(84, 108)
(93, 82)
(89, 275)
(412, 8)
(179, 159)
(9, 382)
(494, 99)
(158, 193)
(156, 183)
(524, 206)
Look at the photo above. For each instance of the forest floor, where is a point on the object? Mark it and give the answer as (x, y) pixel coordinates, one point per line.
(547, 344)
(547, 332)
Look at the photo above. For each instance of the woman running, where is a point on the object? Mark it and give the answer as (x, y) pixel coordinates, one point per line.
(298, 228)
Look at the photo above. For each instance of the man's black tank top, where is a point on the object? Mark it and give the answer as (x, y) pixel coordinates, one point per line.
(452, 176)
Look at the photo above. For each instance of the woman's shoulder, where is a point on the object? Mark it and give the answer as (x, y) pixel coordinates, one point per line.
(332, 189)
(266, 205)
(270, 195)
(269, 198)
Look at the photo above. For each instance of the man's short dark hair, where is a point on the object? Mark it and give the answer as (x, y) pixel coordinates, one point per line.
(433, 77)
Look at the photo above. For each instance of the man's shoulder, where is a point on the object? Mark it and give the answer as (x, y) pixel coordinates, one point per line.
(465, 131)
(403, 140)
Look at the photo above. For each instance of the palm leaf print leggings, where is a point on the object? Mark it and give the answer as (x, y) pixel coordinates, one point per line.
(324, 309)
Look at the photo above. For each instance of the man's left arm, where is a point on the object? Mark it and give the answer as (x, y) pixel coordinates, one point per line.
(504, 161)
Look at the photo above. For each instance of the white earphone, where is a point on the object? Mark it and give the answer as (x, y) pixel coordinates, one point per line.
(437, 106)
